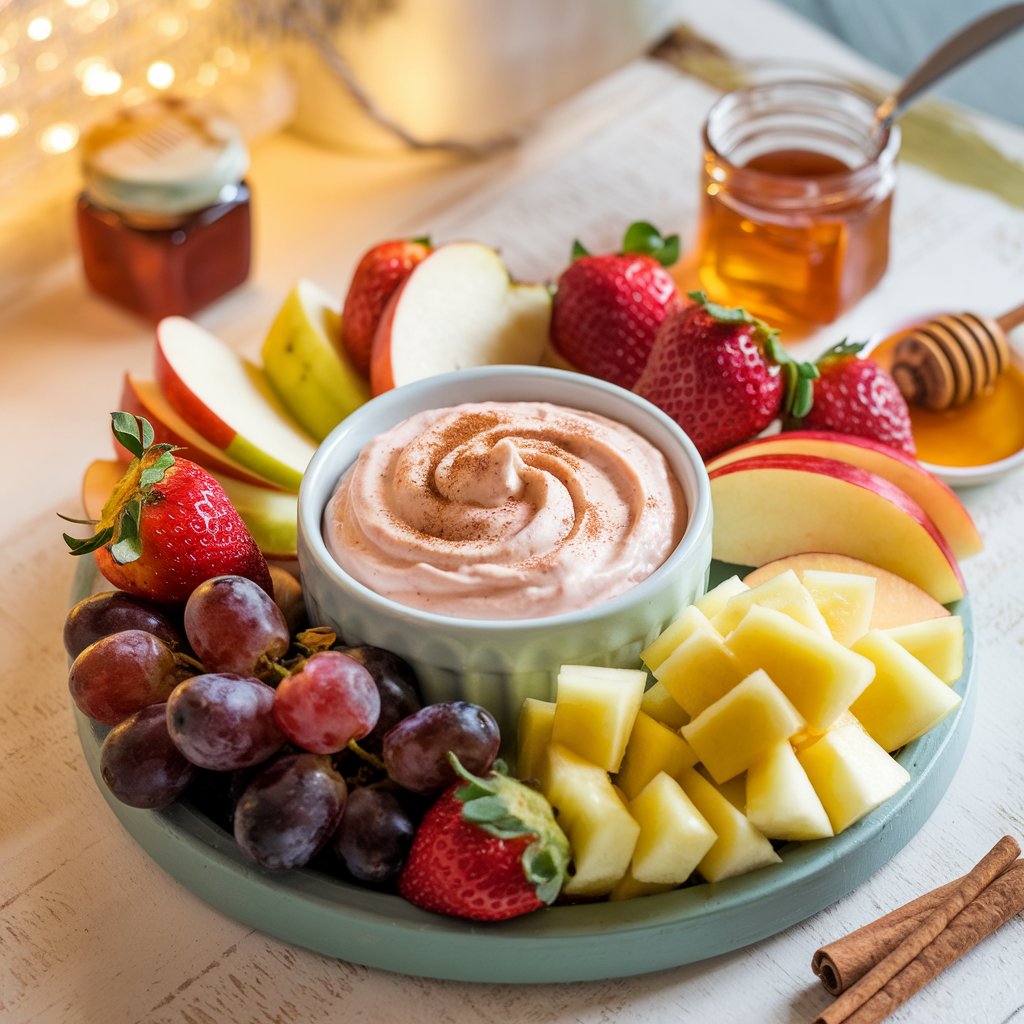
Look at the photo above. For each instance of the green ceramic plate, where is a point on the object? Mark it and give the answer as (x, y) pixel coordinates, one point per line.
(600, 940)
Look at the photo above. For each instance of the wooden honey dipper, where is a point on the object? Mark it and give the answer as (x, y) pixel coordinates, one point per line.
(950, 360)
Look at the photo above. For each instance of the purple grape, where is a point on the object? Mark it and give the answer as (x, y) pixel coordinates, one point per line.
(234, 625)
(288, 597)
(416, 749)
(141, 765)
(289, 811)
(398, 688)
(120, 674)
(113, 611)
(224, 721)
(374, 836)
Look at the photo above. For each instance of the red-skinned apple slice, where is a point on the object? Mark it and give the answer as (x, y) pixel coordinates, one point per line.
(941, 503)
(458, 308)
(270, 515)
(772, 506)
(227, 400)
(142, 397)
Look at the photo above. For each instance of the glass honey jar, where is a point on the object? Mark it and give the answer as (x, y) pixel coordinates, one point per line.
(164, 214)
(797, 189)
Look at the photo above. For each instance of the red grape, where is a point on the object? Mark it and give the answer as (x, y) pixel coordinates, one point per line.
(289, 811)
(328, 701)
(112, 611)
(140, 764)
(416, 749)
(121, 674)
(398, 688)
(234, 625)
(224, 721)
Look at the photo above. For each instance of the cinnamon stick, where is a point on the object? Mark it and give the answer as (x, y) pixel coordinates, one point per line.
(844, 961)
(998, 902)
(886, 974)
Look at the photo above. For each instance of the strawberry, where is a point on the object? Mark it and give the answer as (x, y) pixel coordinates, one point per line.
(378, 275)
(722, 375)
(607, 309)
(168, 525)
(488, 849)
(856, 396)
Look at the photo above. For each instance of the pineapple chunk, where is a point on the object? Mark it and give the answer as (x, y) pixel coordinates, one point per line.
(652, 748)
(820, 676)
(533, 736)
(851, 774)
(739, 847)
(602, 834)
(674, 837)
(785, 593)
(595, 709)
(714, 600)
(734, 790)
(845, 599)
(672, 636)
(741, 727)
(938, 643)
(781, 801)
(905, 700)
(628, 888)
(658, 703)
(700, 670)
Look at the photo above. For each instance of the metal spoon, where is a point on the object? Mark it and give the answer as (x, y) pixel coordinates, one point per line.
(951, 54)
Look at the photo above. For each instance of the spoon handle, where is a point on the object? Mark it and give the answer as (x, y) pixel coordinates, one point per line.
(951, 54)
(1010, 320)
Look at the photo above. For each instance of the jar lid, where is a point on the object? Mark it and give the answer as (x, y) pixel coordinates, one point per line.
(163, 158)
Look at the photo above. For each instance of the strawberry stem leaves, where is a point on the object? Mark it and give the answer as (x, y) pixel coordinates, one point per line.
(641, 239)
(134, 433)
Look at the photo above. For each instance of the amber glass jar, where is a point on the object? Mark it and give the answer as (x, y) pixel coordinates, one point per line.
(797, 189)
(164, 216)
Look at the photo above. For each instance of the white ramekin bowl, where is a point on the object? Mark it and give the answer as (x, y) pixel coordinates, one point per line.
(500, 663)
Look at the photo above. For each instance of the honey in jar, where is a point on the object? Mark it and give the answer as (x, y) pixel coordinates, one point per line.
(164, 215)
(797, 191)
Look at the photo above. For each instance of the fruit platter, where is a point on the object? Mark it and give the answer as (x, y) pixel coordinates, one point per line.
(698, 595)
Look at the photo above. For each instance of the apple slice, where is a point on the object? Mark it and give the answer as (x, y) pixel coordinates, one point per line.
(306, 365)
(271, 516)
(771, 506)
(941, 503)
(228, 401)
(897, 601)
(143, 397)
(458, 308)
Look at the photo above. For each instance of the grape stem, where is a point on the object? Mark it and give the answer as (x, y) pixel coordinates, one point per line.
(370, 759)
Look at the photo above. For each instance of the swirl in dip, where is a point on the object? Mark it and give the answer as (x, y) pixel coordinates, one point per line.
(505, 511)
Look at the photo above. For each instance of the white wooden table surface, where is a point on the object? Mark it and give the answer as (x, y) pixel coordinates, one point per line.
(92, 931)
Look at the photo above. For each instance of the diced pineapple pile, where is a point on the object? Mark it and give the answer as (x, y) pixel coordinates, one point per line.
(773, 716)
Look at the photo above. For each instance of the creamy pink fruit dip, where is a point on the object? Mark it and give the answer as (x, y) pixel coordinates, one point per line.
(505, 511)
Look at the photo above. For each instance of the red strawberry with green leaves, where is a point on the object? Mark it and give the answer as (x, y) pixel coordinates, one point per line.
(607, 309)
(854, 395)
(488, 849)
(168, 525)
(377, 276)
(722, 375)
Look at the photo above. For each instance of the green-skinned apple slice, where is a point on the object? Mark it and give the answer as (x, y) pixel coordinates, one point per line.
(228, 401)
(142, 397)
(458, 308)
(270, 515)
(304, 362)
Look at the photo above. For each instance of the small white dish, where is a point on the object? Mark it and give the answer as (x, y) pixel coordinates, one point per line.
(498, 663)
